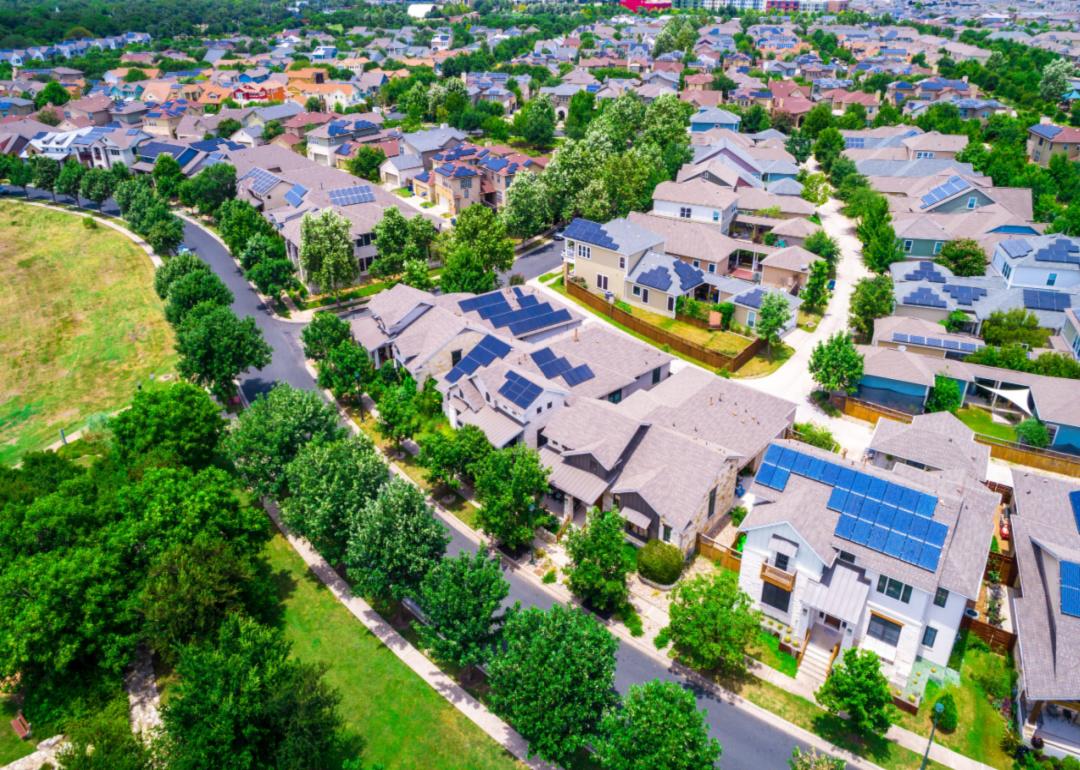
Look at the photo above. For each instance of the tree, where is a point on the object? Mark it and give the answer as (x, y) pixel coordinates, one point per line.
(69, 179)
(461, 598)
(945, 396)
(330, 484)
(176, 424)
(815, 295)
(825, 246)
(165, 232)
(812, 760)
(267, 436)
(816, 187)
(871, 299)
(228, 127)
(955, 321)
(96, 186)
(1055, 80)
(452, 455)
(535, 122)
(527, 209)
(599, 563)
(394, 542)
(326, 251)
(799, 145)
(579, 114)
(828, 147)
(210, 188)
(272, 129)
(657, 726)
(509, 483)
(53, 93)
(964, 257)
(417, 274)
(721, 82)
(19, 172)
(45, 172)
(1033, 433)
(272, 276)
(104, 741)
(313, 104)
(712, 622)
(366, 163)
(192, 289)
(238, 221)
(216, 347)
(167, 175)
(857, 687)
(464, 271)
(281, 713)
(1018, 325)
(175, 268)
(480, 228)
(392, 242)
(773, 315)
(345, 370)
(325, 331)
(836, 365)
(755, 119)
(398, 415)
(817, 120)
(557, 709)
(261, 248)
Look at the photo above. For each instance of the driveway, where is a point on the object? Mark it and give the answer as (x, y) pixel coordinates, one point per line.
(536, 262)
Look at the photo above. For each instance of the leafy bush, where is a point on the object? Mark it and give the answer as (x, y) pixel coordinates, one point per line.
(949, 716)
(660, 562)
(550, 576)
(692, 308)
(726, 311)
(991, 672)
(738, 513)
(1033, 433)
(816, 435)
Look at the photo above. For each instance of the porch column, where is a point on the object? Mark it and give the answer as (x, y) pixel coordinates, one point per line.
(568, 508)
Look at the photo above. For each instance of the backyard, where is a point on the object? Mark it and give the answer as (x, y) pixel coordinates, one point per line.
(392, 718)
(80, 325)
(981, 421)
(11, 747)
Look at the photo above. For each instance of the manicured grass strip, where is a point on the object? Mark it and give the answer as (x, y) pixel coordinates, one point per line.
(767, 650)
(763, 364)
(980, 421)
(399, 720)
(80, 325)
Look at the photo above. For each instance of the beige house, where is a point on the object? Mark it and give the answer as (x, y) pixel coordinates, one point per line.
(787, 268)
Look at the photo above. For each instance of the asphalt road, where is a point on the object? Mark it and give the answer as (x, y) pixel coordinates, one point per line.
(748, 742)
(535, 263)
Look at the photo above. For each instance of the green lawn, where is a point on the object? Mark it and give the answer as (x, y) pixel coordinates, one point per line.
(80, 325)
(11, 748)
(979, 420)
(808, 321)
(767, 650)
(399, 721)
(765, 363)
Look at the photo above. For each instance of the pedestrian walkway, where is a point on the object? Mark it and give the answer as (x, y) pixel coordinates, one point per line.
(144, 700)
(45, 756)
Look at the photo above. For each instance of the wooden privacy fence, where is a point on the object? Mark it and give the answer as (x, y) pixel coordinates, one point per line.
(864, 410)
(726, 557)
(662, 336)
(1000, 640)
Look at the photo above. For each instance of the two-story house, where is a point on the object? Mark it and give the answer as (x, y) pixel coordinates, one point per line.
(1046, 139)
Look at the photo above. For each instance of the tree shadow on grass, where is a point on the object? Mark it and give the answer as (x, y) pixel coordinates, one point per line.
(836, 730)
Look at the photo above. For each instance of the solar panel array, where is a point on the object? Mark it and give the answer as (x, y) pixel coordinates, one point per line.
(590, 232)
(889, 518)
(262, 181)
(689, 276)
(530, 315)
(658, 278)
(926, 271)
(925, 297)
(964, 295)
(1060, 250)
(950, 187)
(295, 196)
(483, 354)
(519, 391)
(1040, 299)
(1074, 501)
(1070, 588)
(1016, 248)
(934, 342)
(854, 142)
(554, 366)
(348, 196)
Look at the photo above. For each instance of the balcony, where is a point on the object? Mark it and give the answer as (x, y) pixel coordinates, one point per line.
(777, 576)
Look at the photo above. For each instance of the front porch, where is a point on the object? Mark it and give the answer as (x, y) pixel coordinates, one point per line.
(1056, 723)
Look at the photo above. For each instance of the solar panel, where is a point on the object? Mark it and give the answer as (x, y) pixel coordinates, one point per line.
(481, 300)
(898, 337)
(1059, 250)
(1037, 299)
(964, 295)
(1074, 501)
(925, 297)
(1016, 248)
(485, 351)
(968, 347)
(520, 391)
(579, 374)
(658, 278)
(926, 271)
(349, 196)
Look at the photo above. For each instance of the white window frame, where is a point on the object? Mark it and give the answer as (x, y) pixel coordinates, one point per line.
(937, 247)
(602, 281)
(622, 263)
(908, 244)
(751, 319)
(583, 251)
(972, 202)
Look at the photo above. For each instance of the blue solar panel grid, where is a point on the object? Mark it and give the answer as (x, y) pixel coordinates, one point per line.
(349, 196)
(925, 272)
(1039, 299)
(925, 297)
(1059, 250)
(519, 391)
(964, 295)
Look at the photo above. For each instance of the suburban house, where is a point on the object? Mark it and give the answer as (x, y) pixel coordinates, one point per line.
(1046, 139)
(466, 174)
(1045, 609)
(427, 144)
(327, 142)
(849, 554)
(708, 118)
(938, 441)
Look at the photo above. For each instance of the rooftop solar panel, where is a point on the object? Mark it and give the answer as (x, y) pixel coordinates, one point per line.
(349, 196)
(1074, 501)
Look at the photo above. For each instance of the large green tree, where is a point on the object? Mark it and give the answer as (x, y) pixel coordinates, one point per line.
(195, 288)
(528, 209)
(280, 712)
(268, 435)
(599, 562)
(509, 483)
(345, 370)
(366, 162)
(857, 687)
(872, 299)
(461, 599)
(964, 257)
(70, 178)
(167, 176)
(325, 331)
(177, 423)
(815, 295)
(773, 316)
(535, 122)
(713, 622)
(174, 268)
(1018, 325)
(556, 708)
(326, 251)
(836, 365)
(394, 542)
(216, 347)
(96, 185)
(658, 725)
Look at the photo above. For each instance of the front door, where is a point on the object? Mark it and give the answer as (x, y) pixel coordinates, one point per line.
(832, 622)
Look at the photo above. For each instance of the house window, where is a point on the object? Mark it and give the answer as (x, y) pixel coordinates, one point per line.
(601, 281)
(684, 212)
(645, 296)
(937, 247)
(1052, 279)
(716, 216)
(583, 251)
(622, 263)
(907, 246)
(671, 304)
(924, 155)
(697, 263)
(455, 357)
(636, 291)
(847, 556)
(894, 589)
(615, 396)
(941, 597)
(972, 202)
(656, 373)
(774, 596)
(1006, 269)
(712, 267)
(667, 534)
(884, 629)
(780, 561)
(929, 636)
(751, 317)
(712, 502)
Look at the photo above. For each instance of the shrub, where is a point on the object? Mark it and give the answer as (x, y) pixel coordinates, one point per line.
(550, 576)
(738, 513)
(1033, 433)
(816, 435)
(949, 716)
(660, 562)
(726, 311)
(89, 223)
(663, 639)
(692, 308)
